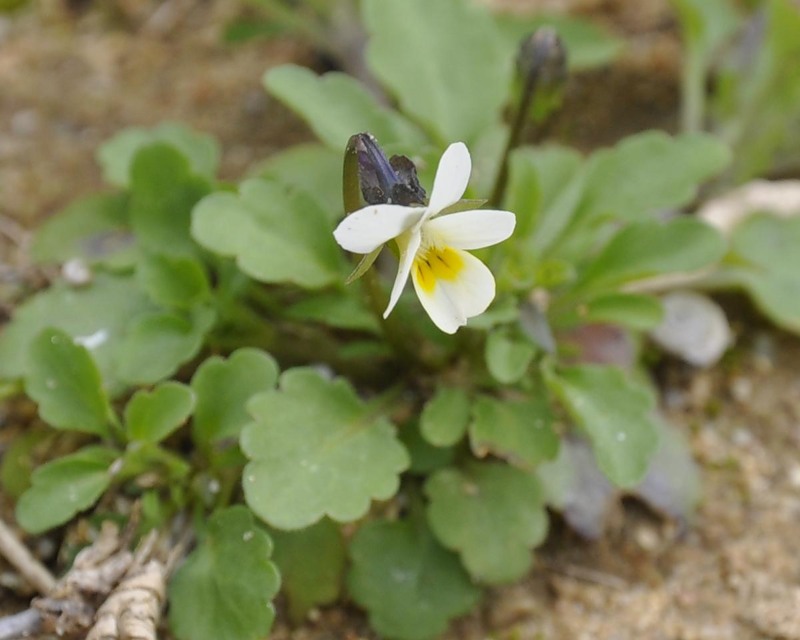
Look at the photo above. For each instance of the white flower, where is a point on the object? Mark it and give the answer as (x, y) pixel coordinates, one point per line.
(452, 284)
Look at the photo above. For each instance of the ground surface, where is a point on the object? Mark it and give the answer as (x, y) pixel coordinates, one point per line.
(69, 80)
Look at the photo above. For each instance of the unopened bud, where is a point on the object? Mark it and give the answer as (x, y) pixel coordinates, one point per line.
(542, 59)
(380, 180)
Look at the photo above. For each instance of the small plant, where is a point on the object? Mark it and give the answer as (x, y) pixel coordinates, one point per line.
(210, 349)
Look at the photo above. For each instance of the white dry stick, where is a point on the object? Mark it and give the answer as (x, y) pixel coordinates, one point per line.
(133, 609)
(23, 561)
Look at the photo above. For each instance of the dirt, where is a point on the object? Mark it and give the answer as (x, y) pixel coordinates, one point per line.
(70, 77)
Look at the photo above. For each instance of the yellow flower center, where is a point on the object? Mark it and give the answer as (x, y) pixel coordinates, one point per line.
(436, 263)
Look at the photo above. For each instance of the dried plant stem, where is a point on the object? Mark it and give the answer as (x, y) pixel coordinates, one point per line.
(23, 561)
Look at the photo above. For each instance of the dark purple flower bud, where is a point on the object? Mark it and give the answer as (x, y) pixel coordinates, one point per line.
(382, 180)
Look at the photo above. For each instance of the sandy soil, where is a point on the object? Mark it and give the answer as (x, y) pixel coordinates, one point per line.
(70, 79)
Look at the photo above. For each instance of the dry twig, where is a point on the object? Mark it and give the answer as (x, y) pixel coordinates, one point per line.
(23, 561)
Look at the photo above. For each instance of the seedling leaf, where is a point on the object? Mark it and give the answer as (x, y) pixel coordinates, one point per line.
(223, 388)
(151, 416)
(65, 382)
(65, 487)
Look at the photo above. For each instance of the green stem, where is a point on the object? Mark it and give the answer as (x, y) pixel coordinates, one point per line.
(514, 137)
(694, 96)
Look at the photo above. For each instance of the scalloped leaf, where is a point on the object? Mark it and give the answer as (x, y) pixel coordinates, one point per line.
(151, 416)
(616, 412)
(445, 416)
(336, 106)
(520, 431)
(408, 583)
(64, 487)
(275, 233)
(317, 450)
(311, 562)
(64, 381)
(223, 589)
(507, 358)
(492, 514)
(223, 388)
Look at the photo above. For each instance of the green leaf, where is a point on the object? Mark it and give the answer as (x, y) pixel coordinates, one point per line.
(673, 483)
(311, 562)
(21, 458)
(410, 586)
(616, 412)
(96, 314)
(116, 155)
(336, 106)
(223, 589)
(648, 172)
(64, 381)
(768, 243)
(307, 439)
(94, 229)
(632, 310)
(645, 249)
(223, 388)
(544, 190)
(588, 44)
(163, 192)
(173, 281)
(151, 416)
(771, 270)
(425, 458)
(342, 309)
(445, 62)
(507, 358)
(275, 234)
(776, 294)
(492, 514)
(65, 487)
(445, 416)
(706, 26)
(311, 168)
(158, 342)
(520, 431)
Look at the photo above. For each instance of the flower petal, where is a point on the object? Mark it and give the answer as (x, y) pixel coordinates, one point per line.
(367, 229)
(452, 177)
(450, 302)
(409, 244)
(472, 229)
